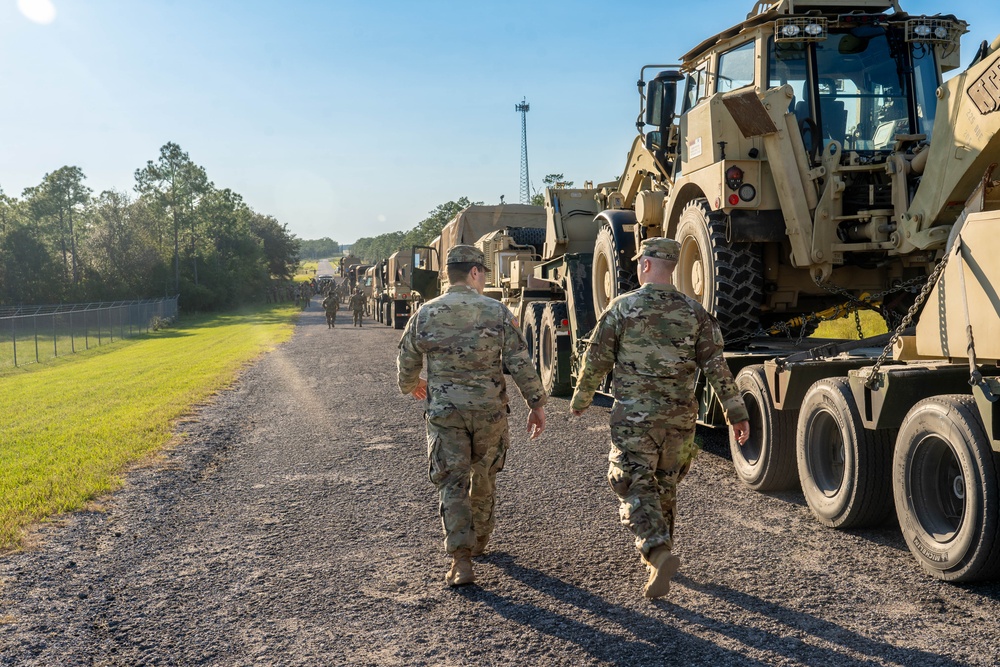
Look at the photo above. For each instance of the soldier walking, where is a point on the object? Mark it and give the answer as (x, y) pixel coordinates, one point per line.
(655, 339)
(467, 338)
(331, 304)
(357, 304)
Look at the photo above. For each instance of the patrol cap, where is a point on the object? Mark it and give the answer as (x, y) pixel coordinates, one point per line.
(659, 247)
(466, 254)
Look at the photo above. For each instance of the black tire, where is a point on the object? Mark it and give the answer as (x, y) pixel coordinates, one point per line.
(399, 317)
(553, 351)
(944, 478)
(532, 328)
(766, 461)
(387, 313)
(843, 468)
(726, 278)
(528, 236)
(613, 270)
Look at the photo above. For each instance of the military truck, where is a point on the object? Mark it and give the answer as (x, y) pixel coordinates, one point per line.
(817, 165)
(398, 295)
(345, 264)
(428, 272)
(379, 290)
(356, 276)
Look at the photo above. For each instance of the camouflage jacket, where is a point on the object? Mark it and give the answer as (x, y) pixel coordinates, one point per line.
(656, 339)
(464, 337)
(331, 302)
(357, 302)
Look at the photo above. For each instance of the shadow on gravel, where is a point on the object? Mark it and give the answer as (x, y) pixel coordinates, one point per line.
(805, 623)
(649, 633)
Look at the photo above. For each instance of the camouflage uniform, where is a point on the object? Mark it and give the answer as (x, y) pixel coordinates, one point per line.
(655, 339)
(465, 336)
(357, 304)
(331, 304)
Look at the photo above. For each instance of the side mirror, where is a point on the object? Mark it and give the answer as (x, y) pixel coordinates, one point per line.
(661, 100)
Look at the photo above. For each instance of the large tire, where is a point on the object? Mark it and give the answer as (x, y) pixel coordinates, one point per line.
(399, 316)
(532, 328)
(944, 478)
(528, 236)
(387, 313)
(553, 351)
(843, 468)
(766, 461)
(614, 270)
(726, 278)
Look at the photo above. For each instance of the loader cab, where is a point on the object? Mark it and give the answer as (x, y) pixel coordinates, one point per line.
(859, 86)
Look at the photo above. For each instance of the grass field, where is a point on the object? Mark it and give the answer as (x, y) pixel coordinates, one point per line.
(69, 429)
(307, 270)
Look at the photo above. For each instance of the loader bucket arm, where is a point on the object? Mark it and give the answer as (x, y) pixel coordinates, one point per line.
(965, 142)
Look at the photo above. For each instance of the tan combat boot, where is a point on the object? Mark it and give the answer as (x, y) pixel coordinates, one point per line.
(480, 547)
(461, 569)
(662, 567)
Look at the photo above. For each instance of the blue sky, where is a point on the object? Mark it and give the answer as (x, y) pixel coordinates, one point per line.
(345, 119)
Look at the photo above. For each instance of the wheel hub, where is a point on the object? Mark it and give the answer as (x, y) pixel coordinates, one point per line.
(607, 285)
(697, 278)
(958, 487)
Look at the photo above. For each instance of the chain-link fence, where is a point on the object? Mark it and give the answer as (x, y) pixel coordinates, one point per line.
(34, 334)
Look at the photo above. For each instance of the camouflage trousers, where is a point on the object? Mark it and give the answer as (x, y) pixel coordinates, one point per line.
(331, 318)
(466, 450)
(645, 468)
(359, 317)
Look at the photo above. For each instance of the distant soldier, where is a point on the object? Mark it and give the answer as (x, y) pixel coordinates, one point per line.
(466, 339)
(357, 304)
(331, 304)
(657, 341)
(306, 290)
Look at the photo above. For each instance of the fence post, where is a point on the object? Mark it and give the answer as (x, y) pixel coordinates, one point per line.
(98, 312)
(86, 331)
(13, 337)
(34, 325)
(55, 344)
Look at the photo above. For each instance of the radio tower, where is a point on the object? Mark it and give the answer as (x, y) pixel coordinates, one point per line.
(522, 109)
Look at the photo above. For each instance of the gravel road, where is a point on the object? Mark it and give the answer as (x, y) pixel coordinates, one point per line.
(293, 524)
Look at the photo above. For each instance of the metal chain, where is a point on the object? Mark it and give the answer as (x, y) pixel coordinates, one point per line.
(785, 328)
(910, 314)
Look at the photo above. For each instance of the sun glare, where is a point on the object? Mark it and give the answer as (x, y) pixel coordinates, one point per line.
(42, 12)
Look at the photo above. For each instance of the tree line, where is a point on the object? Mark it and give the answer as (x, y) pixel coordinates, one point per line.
(318, 248)
(176, 233)
(372, 249)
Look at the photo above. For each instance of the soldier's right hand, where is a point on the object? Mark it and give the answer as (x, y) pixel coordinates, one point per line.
(741, 431)
(420, 393)
(536, 422)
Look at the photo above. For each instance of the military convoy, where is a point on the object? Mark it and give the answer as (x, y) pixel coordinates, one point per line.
(811, 164)
(817, 165)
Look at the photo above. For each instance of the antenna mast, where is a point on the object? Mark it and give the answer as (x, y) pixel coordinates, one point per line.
(522, 109)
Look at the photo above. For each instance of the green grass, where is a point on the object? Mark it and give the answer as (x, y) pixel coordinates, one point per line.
(307, 270)
(872, 324)
(69, 429)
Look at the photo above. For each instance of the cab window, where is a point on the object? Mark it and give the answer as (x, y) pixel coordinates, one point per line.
(736, 68)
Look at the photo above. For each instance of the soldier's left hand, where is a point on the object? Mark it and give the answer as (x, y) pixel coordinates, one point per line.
(420, 393)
